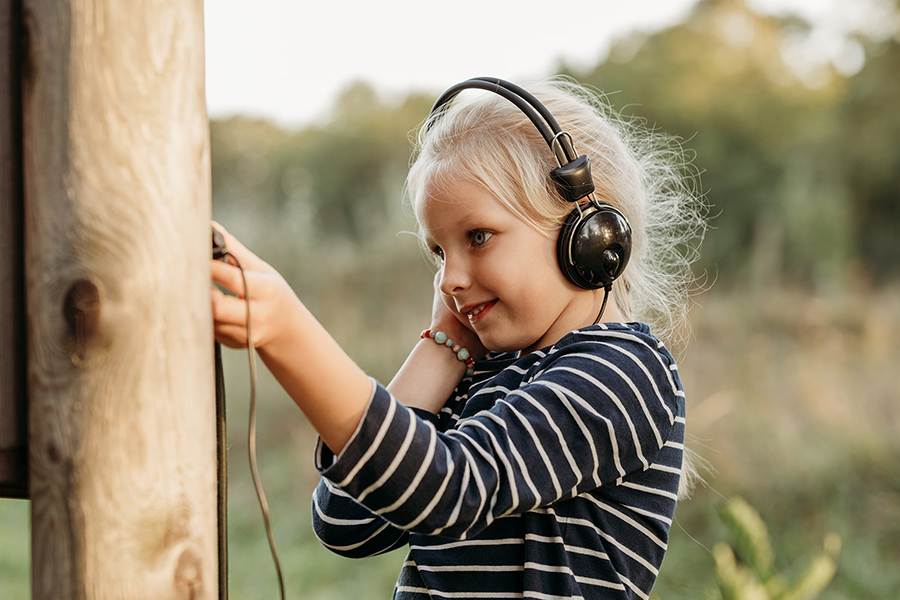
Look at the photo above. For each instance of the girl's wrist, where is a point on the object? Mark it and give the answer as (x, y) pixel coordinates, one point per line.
(462, 354)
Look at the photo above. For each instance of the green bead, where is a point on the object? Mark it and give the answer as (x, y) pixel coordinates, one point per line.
(463, 354)
(440, 337)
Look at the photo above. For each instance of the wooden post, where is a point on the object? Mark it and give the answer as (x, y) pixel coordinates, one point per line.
(13, 413)
(117, 247)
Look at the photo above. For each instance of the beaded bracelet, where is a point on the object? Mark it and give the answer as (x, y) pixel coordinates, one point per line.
(461, 353)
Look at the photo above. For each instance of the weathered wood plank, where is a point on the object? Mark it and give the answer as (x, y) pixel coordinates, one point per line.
(120, 374)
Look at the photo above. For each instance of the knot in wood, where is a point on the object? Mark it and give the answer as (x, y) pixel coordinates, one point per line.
(81, 311)
(189, 573)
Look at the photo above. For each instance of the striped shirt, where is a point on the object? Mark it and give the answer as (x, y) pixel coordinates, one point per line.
(553, 475)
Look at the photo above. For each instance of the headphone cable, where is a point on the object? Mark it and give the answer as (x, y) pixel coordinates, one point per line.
(251, 438)
(606, 290)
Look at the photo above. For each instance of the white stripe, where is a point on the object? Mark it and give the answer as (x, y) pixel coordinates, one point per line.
(491, 390)
(451, 468)
(470, 473)
(617, 401)
(573, 465)
(611, 430)
(557, 540)
(580, 579)
(523, 467)
(650, 490)
(600, 583)
(335, 489)
(672, 367)
(382, 431)
(623, 517)
(588, 437)
(335, 521)
(665, 469)
(647, 513)
(398, 458)
(471, 568)
(652, 381)
(470, 543)
(624, 549)
(489, 595)
(513, 489)
(548, 464)
(634, 588)
(631, 384)
(420, 474)
(440, 594)
(454, 514)
(465, 441)
(363, 542)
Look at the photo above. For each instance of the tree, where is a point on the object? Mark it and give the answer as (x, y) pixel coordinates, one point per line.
(719, 82)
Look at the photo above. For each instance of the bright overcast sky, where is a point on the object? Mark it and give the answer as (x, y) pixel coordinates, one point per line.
(287, 60)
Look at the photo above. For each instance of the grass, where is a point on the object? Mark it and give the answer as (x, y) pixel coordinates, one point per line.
(794, 400)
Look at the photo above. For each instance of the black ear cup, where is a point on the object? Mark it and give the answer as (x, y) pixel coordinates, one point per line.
(594, 246)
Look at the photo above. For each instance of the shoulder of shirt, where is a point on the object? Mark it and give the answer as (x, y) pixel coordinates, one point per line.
(592, 339)
(615, 333)
(634, 339)
(620, 334)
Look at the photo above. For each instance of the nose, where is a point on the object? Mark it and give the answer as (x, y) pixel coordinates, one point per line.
(454, 277)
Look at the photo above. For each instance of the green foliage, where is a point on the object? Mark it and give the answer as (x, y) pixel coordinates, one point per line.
(871, 156)
(15, 549)
(341, 181)
(763, 139)
(755, 578)
(751, 537)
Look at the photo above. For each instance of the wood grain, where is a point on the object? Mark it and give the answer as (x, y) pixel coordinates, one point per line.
(120, 375)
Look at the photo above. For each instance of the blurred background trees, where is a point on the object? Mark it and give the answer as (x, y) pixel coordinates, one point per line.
(799, 159)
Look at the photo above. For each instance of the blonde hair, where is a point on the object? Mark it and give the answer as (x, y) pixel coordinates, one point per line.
(485, 139)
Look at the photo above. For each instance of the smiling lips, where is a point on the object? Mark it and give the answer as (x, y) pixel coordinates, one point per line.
(476, 313)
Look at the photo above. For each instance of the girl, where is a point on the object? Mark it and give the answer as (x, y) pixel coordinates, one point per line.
(539, 452)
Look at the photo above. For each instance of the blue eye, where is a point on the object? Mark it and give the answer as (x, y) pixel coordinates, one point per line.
(480, 236)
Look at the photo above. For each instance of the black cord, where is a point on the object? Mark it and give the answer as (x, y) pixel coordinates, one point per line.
(603, 306)
(251, 442)
(222, 460)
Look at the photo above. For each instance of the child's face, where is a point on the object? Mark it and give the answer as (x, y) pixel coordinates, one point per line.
(499, 276)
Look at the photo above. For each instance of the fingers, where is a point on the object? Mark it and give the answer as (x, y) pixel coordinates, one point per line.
(229, 319)
(228, 276)
(245, 257)
(228, 310)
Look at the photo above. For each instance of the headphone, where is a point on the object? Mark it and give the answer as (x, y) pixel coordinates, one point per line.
(594, 243)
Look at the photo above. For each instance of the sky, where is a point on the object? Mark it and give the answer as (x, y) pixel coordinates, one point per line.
(288, 60)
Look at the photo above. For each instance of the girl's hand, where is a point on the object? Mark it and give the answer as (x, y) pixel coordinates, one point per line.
(324, 382)
(445, 318)
(430, 373)
(271, 298)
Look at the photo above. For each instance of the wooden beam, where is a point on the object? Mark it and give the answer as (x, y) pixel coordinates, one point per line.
(120, 374)
(13, 405)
